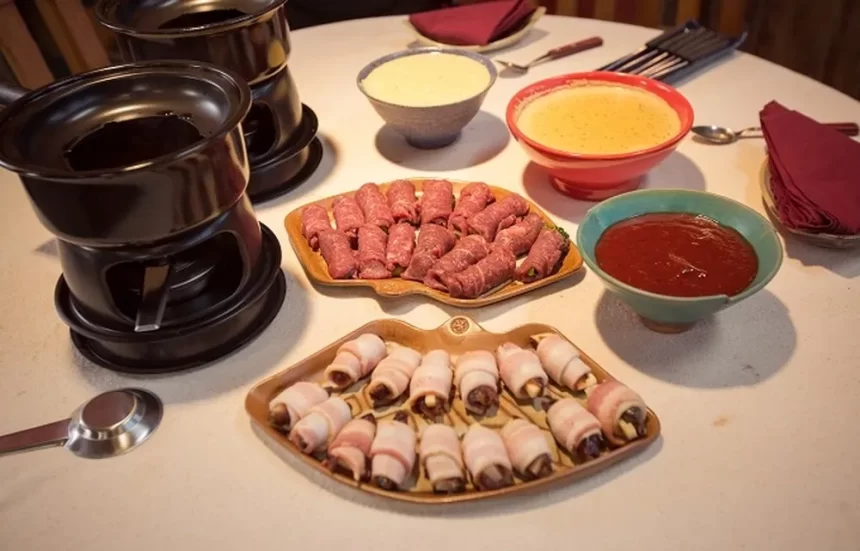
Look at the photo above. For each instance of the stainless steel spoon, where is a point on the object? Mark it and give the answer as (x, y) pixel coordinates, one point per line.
(721, 135)
(110, 424)
(555, 53)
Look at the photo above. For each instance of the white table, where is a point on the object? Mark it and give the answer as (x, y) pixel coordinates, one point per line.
(760, 445)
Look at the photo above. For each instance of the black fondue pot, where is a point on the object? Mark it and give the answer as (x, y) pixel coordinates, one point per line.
(131, 153)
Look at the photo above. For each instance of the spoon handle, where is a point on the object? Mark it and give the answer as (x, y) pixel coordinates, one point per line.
(52, 434)
(570, 49)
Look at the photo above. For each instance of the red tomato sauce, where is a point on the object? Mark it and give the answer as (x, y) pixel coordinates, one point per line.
(677, 254)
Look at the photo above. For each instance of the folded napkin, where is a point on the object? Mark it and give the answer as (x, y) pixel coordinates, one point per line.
(475, 24)
(815, 172)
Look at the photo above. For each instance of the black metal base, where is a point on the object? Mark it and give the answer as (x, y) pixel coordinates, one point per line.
(183, 347)
(291, 167)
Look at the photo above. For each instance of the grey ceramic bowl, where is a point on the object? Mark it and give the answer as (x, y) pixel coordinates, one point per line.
(435, 126)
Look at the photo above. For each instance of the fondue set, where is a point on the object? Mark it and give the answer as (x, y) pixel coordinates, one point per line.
(147, 174)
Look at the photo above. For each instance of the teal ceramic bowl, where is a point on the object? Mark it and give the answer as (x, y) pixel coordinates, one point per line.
(675, 314)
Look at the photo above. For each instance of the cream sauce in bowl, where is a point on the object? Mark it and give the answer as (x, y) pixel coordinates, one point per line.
(427, 80)
(591, 118)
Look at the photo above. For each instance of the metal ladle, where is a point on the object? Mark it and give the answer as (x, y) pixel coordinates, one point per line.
(721, 135)
(110, 424)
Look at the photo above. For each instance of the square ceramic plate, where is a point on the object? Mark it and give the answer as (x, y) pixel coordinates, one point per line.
(509, 40)
(825, 240)
(458, 335)
(315, 265)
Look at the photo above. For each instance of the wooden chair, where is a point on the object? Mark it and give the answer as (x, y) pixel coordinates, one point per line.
(20, 50)
(75, 33)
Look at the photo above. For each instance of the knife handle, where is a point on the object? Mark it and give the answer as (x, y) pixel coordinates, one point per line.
(847, 128)
(570, 49)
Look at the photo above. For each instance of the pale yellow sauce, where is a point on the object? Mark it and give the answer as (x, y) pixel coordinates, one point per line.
(595, 119)
(424, 80)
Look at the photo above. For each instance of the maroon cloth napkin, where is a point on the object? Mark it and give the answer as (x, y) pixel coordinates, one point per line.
(815, 172)
(475, 24)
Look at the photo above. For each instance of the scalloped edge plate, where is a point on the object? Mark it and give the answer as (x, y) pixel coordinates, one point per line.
(315, 266)
(457, 335)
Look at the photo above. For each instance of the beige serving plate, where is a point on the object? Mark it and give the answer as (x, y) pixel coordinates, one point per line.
(457, 335)
(315, 266)
(509, 40)
(825, 240)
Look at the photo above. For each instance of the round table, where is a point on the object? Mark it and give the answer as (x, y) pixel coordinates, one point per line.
(759, 448)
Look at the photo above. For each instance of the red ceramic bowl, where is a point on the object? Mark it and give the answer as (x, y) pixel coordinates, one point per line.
(596, 177)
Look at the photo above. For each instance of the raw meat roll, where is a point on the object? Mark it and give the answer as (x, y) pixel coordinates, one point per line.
(561, 361)
(528, 449)
(521, 371)
(401, 244)
(469, 250)
(294, 403)
(403, 203)
(391, 377)
(355, 360)
(437, 202)
(473, 199)
(393, 453)
(348, 217)
(520, 237)
(433, 242)
(498, 216)
(338, 254)
(318, 428)
(431, 386)
(490, 272)
(351, 447)
(575, 429)
(314, 220)
(442, 459)
(487, 459)
(372, 241)
(477, 378)
(622, 413)
(374, 205)
(545, 257)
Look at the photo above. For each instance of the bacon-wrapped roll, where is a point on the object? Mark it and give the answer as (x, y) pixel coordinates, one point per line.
(521, 371)
(372, 243)
(318, 428)
(431, 385)
(374, 205)
(337, 252)
(575, 429)
(393, 453)
(621, 412)
(351, 447)
(391, 377)
(437, 202)
(403, 203)
(355, 360)
(294, 403)
(442, 459)
(562, 361)
(473, 198)
(528, 449)
(487, 459)
(476, 376)
(314, 220)
(520, 237)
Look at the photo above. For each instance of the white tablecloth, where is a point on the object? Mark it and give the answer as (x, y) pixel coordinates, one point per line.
(760, 445)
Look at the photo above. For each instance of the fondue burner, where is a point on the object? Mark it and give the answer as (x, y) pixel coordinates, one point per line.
(141, 172)
(249, 37)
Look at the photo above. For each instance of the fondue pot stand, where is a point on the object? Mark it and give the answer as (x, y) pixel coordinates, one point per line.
(140, 171)
(249, 37)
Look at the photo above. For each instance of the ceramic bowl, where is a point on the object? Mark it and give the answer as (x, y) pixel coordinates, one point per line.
(597, 177)
(675, 314)
(434, 126)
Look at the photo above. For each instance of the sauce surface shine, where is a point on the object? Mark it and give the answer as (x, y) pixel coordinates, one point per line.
(599, 119)
(677, 254)
(425, 80)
